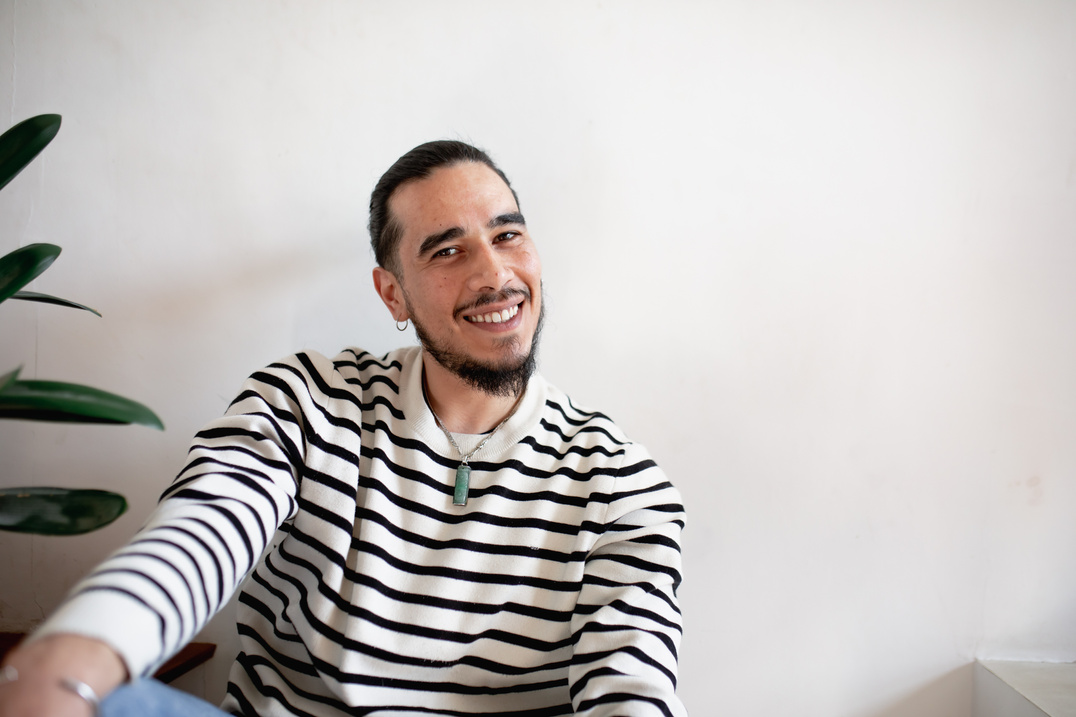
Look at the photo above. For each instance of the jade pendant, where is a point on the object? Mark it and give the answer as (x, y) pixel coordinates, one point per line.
(463, 484)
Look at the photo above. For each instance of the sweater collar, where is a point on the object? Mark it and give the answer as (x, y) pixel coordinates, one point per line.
(419, 417)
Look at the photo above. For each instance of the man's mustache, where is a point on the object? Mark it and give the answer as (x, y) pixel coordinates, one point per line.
(494, 297)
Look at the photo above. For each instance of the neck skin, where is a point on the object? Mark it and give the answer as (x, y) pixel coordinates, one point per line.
(461, 407)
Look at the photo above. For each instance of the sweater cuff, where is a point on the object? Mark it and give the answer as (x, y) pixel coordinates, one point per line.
(123, 624)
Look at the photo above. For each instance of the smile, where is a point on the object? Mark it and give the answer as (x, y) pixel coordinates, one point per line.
(495, 317)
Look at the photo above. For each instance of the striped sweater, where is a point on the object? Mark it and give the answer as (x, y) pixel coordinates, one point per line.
(553, 591)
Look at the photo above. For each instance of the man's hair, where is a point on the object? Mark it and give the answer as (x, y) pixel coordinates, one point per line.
(419, 163)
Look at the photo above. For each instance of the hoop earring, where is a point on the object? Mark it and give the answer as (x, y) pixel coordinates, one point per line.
(404, 327)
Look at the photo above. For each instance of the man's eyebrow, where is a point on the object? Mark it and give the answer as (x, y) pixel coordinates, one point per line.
(510, 218)
(434, 240)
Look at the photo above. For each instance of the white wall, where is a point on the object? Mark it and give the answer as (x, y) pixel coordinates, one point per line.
(819, 256)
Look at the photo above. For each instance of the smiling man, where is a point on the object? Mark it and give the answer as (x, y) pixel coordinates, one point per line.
(466, 272)
(435, 531)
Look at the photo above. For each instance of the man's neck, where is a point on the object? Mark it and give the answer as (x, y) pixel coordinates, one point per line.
(461, 407)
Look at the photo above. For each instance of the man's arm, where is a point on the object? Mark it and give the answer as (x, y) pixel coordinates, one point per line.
(153, 595)
(41, 667)
(627, 624)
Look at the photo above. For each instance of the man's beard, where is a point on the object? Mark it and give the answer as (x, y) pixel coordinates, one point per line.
(507, 379)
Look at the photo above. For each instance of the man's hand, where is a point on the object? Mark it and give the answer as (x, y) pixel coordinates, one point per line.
(43, 664)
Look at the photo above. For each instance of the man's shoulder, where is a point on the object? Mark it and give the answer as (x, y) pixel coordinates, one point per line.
(577, 422)
(351, 361)
(357, 360)
(348, 375)
(591, 438)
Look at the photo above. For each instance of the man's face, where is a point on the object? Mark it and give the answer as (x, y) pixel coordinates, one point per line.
(469, 275)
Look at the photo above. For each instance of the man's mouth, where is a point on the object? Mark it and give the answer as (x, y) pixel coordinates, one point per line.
(494, 317)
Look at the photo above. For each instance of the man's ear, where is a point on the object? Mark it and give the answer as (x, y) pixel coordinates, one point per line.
(391, 292)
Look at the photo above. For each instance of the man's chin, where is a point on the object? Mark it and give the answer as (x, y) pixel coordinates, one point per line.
(507, 378)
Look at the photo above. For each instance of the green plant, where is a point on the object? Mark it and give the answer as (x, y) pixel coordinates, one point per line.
(51, 511)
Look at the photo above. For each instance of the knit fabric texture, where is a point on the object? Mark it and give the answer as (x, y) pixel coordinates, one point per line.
(325, 494)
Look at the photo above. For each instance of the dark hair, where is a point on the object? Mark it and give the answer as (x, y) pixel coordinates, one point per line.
(419, 163)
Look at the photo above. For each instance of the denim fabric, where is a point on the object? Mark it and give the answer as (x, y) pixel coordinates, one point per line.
(150, 698)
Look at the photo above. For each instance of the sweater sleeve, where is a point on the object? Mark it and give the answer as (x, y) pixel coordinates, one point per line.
(627, 624)
(153, 595)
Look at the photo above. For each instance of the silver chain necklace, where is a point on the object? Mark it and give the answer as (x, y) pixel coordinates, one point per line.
(463, 470)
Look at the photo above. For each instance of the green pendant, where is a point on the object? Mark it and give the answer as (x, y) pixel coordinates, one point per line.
(463, 484)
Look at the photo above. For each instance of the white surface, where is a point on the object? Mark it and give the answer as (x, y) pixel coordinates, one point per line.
(996, 698)
(818, 255)
(1013, 689)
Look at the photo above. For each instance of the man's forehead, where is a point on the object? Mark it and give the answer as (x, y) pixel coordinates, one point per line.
(465, 191)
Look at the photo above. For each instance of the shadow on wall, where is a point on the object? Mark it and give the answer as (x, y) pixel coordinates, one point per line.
(948, 696)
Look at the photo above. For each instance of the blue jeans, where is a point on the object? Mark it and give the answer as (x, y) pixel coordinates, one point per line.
(150, 698)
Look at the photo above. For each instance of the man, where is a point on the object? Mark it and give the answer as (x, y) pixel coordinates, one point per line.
(455, 536)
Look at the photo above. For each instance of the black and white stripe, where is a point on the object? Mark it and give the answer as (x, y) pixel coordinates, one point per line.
(553, 591)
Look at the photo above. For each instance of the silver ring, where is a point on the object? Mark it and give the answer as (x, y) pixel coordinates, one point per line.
(84, 691)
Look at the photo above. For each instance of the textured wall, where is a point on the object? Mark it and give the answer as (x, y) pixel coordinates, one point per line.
(819, 256)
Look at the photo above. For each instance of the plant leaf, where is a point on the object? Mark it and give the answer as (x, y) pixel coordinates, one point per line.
(18, 268)
(46, 299)
(71, 403)
(20, 144)
(7, 378)
(58, 511)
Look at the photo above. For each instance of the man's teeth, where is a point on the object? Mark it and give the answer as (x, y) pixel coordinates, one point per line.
(496, 317)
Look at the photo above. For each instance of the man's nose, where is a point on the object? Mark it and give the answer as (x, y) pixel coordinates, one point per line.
(490, 270)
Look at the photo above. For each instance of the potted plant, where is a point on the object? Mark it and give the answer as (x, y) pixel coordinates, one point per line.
(42, 510)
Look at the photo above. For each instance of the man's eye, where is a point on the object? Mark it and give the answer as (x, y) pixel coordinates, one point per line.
(506, 236)
(447, 251)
